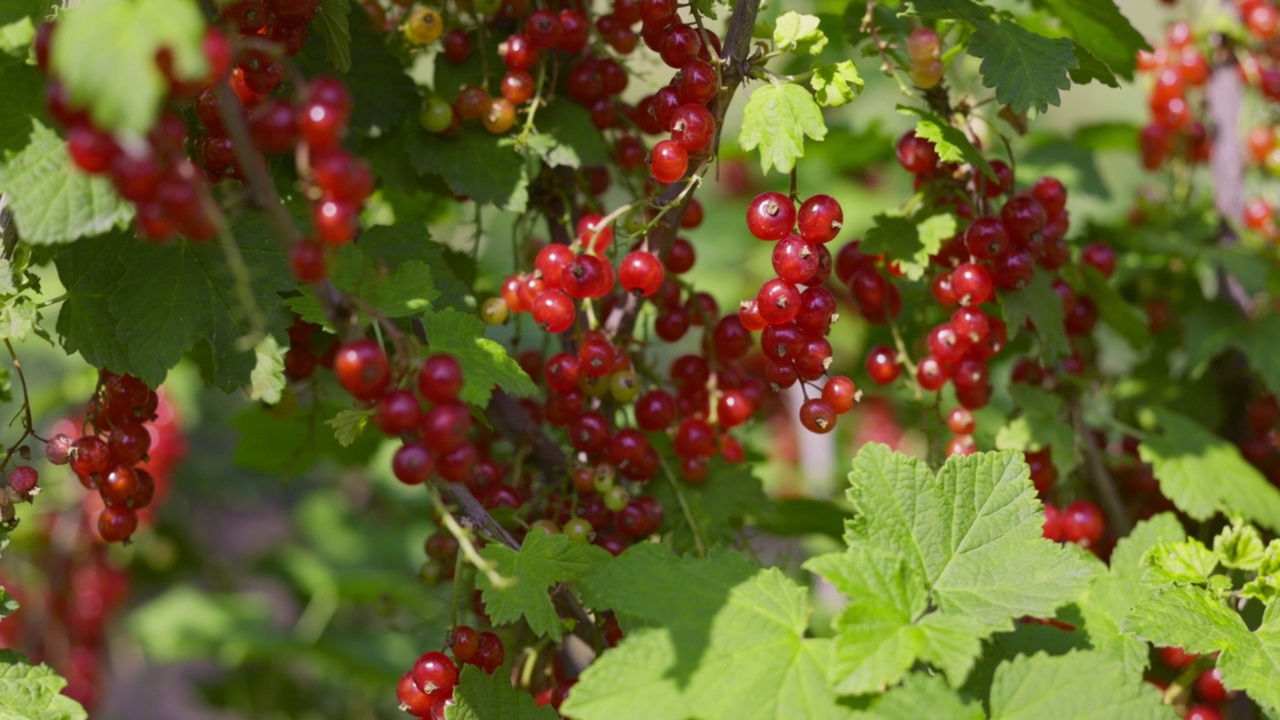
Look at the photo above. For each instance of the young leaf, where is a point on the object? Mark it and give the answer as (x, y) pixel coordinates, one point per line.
(348, 425)
(1239, 546)
(948, 560)
(718, 639)
(331, 21)
(1080, 685)
(106, 57)
(909, 241)
(1025, 69)
(835, 84)
(949, 142)
(8, 605)
(485, 363)
(1108, 600)
(1038, 303)
(481, 696)
(52, 201)
(33, 692)
(267, 382)
(798, 34)
(18, 318)
(542, 561)
(1203, 474)
(776, 120)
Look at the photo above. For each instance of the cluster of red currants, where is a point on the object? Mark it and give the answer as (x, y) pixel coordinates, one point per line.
(107, 461)
(794, 311)
(170, 193)
(1177, 70)
(427, 689)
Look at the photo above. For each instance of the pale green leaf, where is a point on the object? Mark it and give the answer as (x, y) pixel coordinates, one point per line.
(1240, 546)
(1265, 586)
(106, 57)
(1186, 561)
(52, 201)
(18, 318)
(1203, 474)
(776, 120)
(1080, 685)
(33, 692)
(951, 144)
(798, 34)
(835, 84)
(484, 696)
(542, 561)
(1026, 70)
(922, 696)
(909, 241)
(348, 424)
(716, 639)
(267, 382)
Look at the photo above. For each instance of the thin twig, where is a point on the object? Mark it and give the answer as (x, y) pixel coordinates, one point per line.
(684, 508)
(465, 546)
(1103, 484)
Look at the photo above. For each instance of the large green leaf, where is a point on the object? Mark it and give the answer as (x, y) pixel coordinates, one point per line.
(542, 561)
(718, 639)
(1203, 474)
(776, 120)
(33, 692)
(106, 57)
(137, 307)
(937, 563)
(1102, 29)
(23, 101)
(922, 696)
(52, 201)
(719, 504)
(1026, 70)
(473, 163)
(481, 696)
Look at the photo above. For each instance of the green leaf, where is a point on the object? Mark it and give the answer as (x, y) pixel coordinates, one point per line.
(266, 381)
(331, 21)
(1265, 586)
(348, 425)
(716, 639)
(1025, 69)
(184, 623)
(804, 516)
(1090, 68)
(485, 363)
(1185, 561)
(951, 144)
(798, 34)
(15, 10)
(383, 95)
(1239, 546)
(136, 307)
(473, 163)
(1260, 342)
(24, 99)
(1192, 618)
(33, 692)
(1102, 29)
(542, 561)
(8, 605)
(1108, 600)
(1038, 303)
(1068, 159)
(396, 287)
(1203, 474)
(51, 200)
(909, 241)
(1114, 309)
(719, 504)
(566, 137)
(482, 696)
(1079, 685)
(835, 84)
(1040, 425)
(937, 564)
(776, 120)
(106, 57)
(922, 696)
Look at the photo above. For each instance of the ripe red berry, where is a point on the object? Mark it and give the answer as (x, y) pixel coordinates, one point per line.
(362, 369)
(841, 394)
(117, 523)
(771, 216)
(554, 311)
(435, 672)
(1082, 523)
(883, 365)
(669, 161)
(440, 378)
(692, 127)
(779, 301)
(916, 155)
(641, 273)
(820, 218)
(23, 479)
(817, 416)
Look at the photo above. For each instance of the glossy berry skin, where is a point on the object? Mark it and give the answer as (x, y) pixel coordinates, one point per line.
(440, 378)
(117, 523)
(23, 479)
(397, 412)
(1082, 523)
(771, 216)
(1202, 712)
(554, 311)
(916, 155)
(1209, 687)
(435, 672)
(795, 259)
(669, 161)
(362, 369)
(697, 83)
(412, 699)
(463, 641)
(90, 456)
(883, 365)
(692, 127)
(1176, 658)
(1101, 257)
(972, 284)
(779, 301)
(655, 411)
(817, 416)
(840, 393)
(307, 261)
(820, 219)
(986, 238)
(1052, 528)
(640, 273)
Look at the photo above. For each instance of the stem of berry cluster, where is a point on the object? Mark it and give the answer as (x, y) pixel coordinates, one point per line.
(1103, 483)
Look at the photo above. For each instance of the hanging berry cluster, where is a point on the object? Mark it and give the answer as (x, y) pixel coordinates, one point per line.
(427, 688)
(1178, 71)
